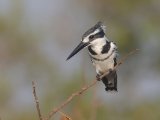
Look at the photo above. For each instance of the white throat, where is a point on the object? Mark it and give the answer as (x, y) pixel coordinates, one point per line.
(98, 44)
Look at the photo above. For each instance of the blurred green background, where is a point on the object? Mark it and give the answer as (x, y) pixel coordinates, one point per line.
(36, 36)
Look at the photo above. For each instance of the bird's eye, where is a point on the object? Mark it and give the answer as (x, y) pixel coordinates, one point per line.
(91, 37)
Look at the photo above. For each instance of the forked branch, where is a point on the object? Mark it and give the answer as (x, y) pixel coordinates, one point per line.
(82, 90)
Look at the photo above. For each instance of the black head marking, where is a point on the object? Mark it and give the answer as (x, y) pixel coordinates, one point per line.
(99, 26)
(98, 35)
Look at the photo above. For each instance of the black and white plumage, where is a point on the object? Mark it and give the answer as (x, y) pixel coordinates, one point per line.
(103, 54)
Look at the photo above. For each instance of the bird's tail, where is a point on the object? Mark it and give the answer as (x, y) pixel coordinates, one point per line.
(110, 81)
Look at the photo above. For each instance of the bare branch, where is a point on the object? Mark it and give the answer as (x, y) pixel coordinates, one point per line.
(121, 61)
(36, 101)
(83, 89)
(64, 116)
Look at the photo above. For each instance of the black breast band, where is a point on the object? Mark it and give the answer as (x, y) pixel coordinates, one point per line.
(103, 58)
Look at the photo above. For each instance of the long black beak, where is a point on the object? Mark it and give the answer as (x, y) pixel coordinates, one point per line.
(77, 49)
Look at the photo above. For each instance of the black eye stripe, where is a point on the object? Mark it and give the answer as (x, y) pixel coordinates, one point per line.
(91, 37)
(91, 30)
(97, 35)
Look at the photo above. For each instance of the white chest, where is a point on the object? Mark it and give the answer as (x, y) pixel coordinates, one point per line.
(108, 63)
(97, 45)
(103, 66)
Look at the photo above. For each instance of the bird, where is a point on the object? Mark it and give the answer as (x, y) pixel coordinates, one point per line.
(103, 54)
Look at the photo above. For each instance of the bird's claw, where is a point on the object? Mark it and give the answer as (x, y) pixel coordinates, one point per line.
(98, 77)
(110, 70)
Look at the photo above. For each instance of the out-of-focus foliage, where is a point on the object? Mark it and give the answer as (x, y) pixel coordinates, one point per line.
(36, 37)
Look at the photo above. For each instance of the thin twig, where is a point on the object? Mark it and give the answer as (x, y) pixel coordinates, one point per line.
(64, 115)
(83, 89)
(120, 62)
(36, 101)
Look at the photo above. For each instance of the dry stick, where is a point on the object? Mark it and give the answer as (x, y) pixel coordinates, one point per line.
(83, 89)
(69, 99)
(36, 101)
(64, 115)
(120, 62)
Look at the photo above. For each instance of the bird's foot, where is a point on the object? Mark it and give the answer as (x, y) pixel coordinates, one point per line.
(98, 77)
(110, 70)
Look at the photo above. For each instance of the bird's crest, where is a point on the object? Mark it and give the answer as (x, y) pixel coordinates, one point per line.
(98, 26)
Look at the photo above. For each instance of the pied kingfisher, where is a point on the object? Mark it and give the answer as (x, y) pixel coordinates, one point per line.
(103, 54)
